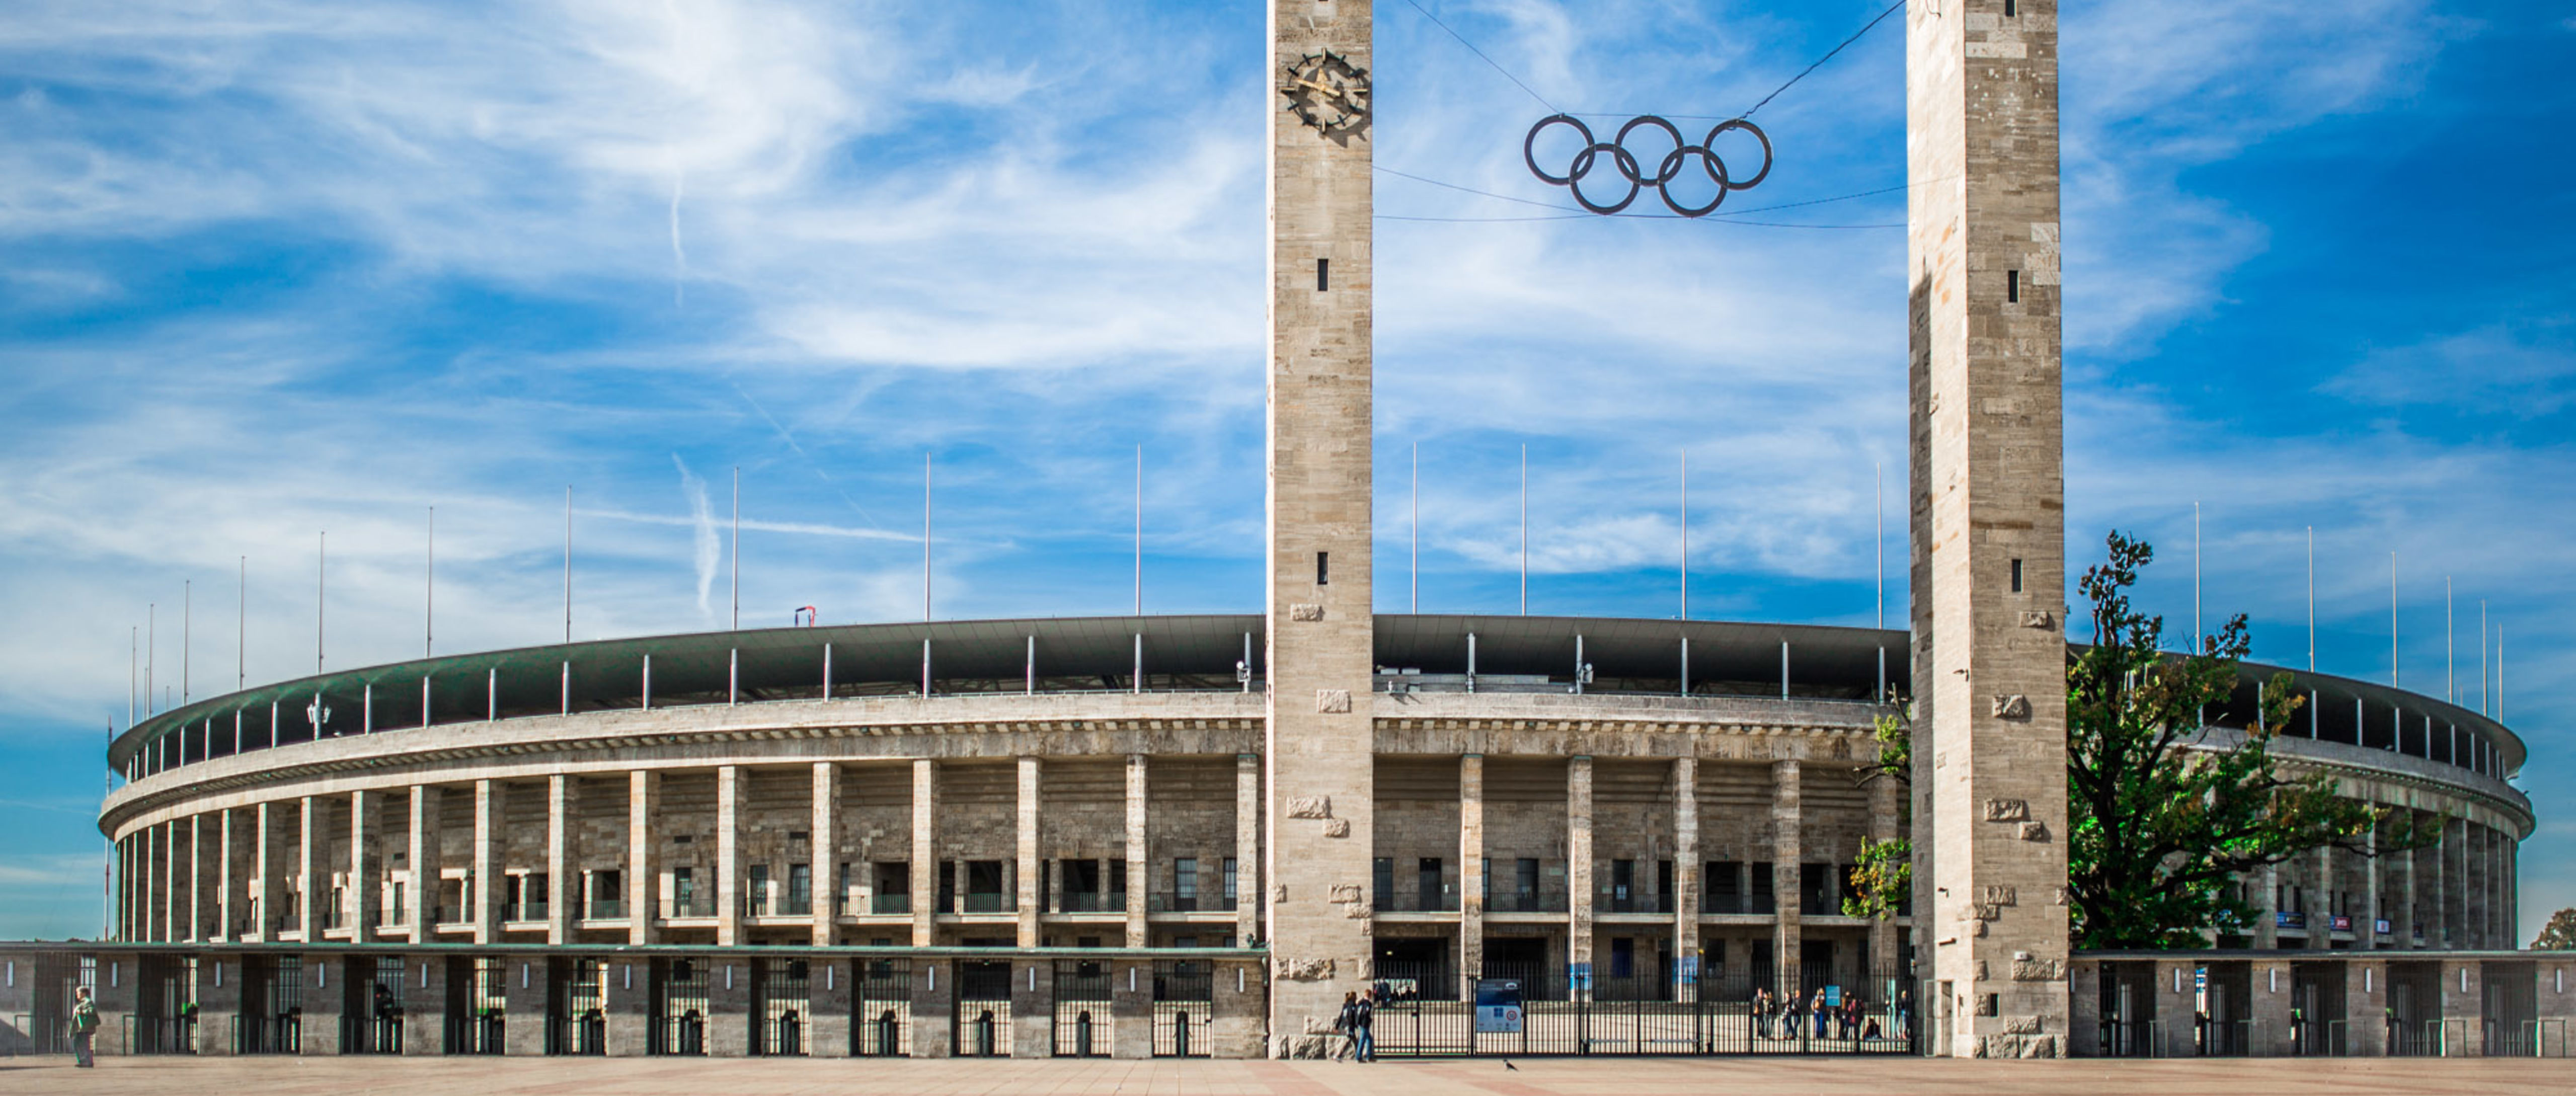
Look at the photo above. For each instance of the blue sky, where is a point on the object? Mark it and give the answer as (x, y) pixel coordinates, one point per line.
(269, 268)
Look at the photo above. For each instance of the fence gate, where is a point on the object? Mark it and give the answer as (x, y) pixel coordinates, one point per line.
(1184, 1000)
(782, 999)
(371, 1017)
(881, 1007)
(680, 1006)
(982, 1021)
(165, 1012)
(1083, 1025)
(476, 1021)
(1517, 1010)
(576, 1006)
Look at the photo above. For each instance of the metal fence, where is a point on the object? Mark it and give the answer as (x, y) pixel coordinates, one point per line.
(1508, 1014)
(1184, 1001)
(680, 1015)
(981, 1023)
(784, 1003)
(576, 1007)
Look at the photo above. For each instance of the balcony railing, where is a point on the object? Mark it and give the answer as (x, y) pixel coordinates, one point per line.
(1759, 905)
(1184, 903)
(696, 905)
(889, 903)
(607, 909)
(1414, 901)
(988, 903)
(1636, 903)
(1526, 903)
(1091, 902)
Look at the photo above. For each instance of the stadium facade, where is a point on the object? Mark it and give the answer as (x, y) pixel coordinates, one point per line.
(1194, 835)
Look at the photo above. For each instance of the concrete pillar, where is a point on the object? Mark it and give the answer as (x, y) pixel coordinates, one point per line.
(1247, 848)
(523, 995)
(224, 926)
(1029, 880)
(2464, 995)
(627, 1000)
(2267, 908)
(830, 990)
(1131, 1009)
(1988, 524)
(2437, 907)
(824, 849)
(263, 882)
(2473, 886)
(2321, 899)
(219, 1003)
(424, 1030)
(1787, 879)
(1471, 867)
(925, 871)
(1319, 731)
(326, 995)
(422, 857)
(2365, 921)
(170, 883)
(729, 1019)
(2176, 1020)
(2410, 909)
(729, 870)
(643, 801)
(362, 866)
(489, 879)
(934, 990)
(2270, 1007)
(1686, 870)
(2365, 1008)
(1140, 869)
(1580, 886)
(559, 911)
(1032, 1033)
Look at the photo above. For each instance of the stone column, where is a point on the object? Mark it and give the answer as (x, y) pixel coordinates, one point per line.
(1032, 1033)
(489, 879)
(308, 875)
(825, 849)
(925, 871)
(2463, 1008)
(1686, 869)
(195, 904)
(523, 996)
(326, 996)
(2175, 1023)
(2321, 903)
(2365, 1008)
(262, 883)
(1471, 868)
(1131, 1009)
(362, 866)
(2365, 923)
(225, 929)
(1988, 524)
(559, 911)
(2267, 908)
(1029, 880)
(219, 1003)
(643, 802)
(1580, 886)
(2437, 907)
(1319, 732)
(1247, 848)
(2270, 1007)
(424, 1031)
(833, 1000)
(170, 883)
(729, 881)
(1788, 881)
(934, 990)
(729, 1021)
(2402, 927)
(1140, 868)
(2473, 886)
(423, 857)
(626, 997)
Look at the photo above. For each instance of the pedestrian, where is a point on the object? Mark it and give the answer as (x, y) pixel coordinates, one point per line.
(1761, 1013)
(1820, 1010)
(1347, 1024)
(1904, 1013)
(1852, 1010)
(84, 1028)
(1366, 1041)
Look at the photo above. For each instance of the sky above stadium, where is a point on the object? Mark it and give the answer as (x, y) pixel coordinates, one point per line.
(273, 268)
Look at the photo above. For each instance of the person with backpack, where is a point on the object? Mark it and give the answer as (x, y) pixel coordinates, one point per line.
(84, 1028)
(1363, 1019)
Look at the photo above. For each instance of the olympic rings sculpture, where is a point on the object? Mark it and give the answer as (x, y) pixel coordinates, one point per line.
(1630, 168)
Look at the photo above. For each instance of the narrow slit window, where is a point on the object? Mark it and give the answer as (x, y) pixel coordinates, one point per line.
(2011, 9)
(2016, 576)
(1323, 568)
(2012, 286)
(1323, 275)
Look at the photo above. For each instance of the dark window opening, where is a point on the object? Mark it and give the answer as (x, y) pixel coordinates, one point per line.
(1323, 275)
(2016, 576)
(2011, 9)
(2012, 280)
(1323, 568)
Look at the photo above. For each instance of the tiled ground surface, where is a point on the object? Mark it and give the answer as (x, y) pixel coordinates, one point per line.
(1478, 1077)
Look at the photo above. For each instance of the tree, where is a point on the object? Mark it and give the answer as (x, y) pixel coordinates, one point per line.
(2164, 815)
(2559, 934)
(1882, 876)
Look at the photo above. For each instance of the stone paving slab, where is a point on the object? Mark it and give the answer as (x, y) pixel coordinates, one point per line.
(1466, 1077)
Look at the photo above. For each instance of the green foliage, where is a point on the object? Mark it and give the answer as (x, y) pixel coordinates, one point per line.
(2164, 818)
(2559, 934)
(1882, 875)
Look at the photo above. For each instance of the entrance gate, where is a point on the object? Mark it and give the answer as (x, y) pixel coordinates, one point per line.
(882, 1007)
(576, 1006)
(1184, 999)
(1083, 1024)
(371, 1017)
(982, 1022)
(782, 1000)
(1718, 1014)
(475, 1006)
(680, 1006)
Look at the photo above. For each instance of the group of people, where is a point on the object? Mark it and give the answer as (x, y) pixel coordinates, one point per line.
(1787, 1016)
(1359, 1013)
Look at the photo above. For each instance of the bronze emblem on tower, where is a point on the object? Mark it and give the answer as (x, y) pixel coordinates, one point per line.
(1329, 93)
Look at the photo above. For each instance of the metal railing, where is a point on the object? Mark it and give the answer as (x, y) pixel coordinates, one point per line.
(890, 903)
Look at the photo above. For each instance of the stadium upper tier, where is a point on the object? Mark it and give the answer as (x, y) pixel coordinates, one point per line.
(969, 658)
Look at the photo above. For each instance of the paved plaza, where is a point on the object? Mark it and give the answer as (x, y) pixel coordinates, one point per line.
(1455, 1077)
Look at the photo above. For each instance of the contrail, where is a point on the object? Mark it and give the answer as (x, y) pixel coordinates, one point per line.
(679, 254)
(810, 462)
(703, 517)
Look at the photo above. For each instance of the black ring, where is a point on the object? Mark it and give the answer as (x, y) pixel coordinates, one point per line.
(1622, 160)
(1673, 166)
(1749, 127)
(1530, 142)
(1669, 130)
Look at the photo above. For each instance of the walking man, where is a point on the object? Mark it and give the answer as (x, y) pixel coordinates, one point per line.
(1364, 1039)
(84, 1028)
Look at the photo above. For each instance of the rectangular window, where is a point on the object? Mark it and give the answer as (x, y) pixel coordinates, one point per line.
(800, 890)
(947, 898)
(2012, 8)
(1623, 957)
(1525, 883)
(1623, 886)
(1764, 890)
(1323, 568)
(1323, 275)
(1229, 881)
(1185, 883)
(1427, 883)
(2012, 286)
(757, 901)
(1117, 883)
(1383, 876)
(1723, 887)
(2016, 576)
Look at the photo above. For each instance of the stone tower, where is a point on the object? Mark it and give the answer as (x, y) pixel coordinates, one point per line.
(1318, 784)
(1988, 490)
